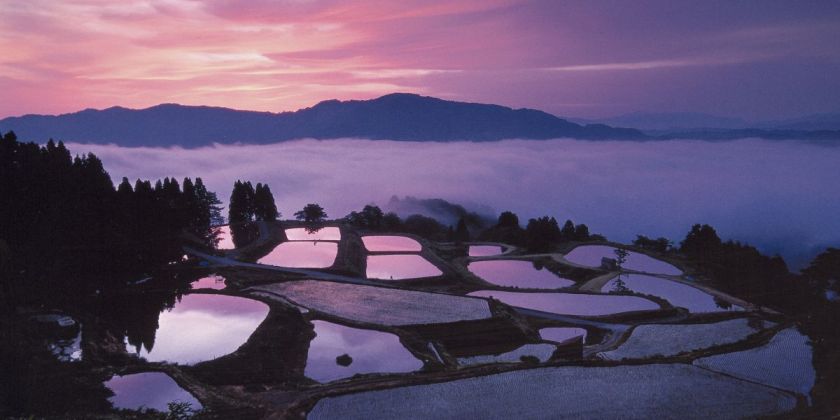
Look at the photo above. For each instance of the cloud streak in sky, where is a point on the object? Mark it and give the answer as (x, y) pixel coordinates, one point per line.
(65, 55)
(772, 194)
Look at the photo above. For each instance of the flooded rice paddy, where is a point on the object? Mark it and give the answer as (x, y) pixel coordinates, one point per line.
(302, 254)
(522, 274)
(387, 243)
(571, 303)
(400, 266)
(202, 327)
(148, 390)
(212, 282)
(484, 250)
(591, 255)
(329, 233)
(368, 351)
(678, 294)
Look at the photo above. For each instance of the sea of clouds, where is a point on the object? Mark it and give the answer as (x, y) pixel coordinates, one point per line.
(779, 195)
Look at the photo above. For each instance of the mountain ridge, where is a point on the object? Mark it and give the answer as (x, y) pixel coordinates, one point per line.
(397, 116)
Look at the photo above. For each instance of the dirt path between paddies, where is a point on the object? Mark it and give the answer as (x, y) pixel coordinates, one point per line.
(598, 283)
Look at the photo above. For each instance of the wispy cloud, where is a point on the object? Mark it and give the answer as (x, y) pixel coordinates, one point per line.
(663, 64)
(99, 53)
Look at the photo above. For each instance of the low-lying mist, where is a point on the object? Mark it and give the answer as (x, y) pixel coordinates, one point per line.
(779, 196)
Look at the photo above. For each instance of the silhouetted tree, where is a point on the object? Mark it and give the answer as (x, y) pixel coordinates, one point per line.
(701, 243)
(567, 233)
(241, 207)
(824, 270)
(69, 230)
(581, 232)
(426, 227)
(264, 206)
(391, 222)
(541, 234)
(462, 234)
(311, 213)
(662, 245)
(370, 217)
(508, 219)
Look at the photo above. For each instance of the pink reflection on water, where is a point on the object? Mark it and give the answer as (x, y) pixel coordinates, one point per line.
(590, 255)
(382, 243)
(395, 267)
(484, 250)
(571, 303)
(304, 254)
(678, 294)
(225, 238)
(561, 334)
(203, 327)
(323, 234)
(148, 390)
(372, 352)
(213, 281)
(517, 274)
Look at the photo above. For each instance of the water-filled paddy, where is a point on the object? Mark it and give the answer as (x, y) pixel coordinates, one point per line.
(303, 254)
(225, 238)
(511, 273)
(785, 362)
(203, 327)
(388, 243)
(672, 339)
(485, 250)
(590, 256)
(541, 351)
(663, 391)
(213, 281)
(323, 234)
(401, 266)
(678, 294)
(371, 352)
(571, 303)
(148, 390)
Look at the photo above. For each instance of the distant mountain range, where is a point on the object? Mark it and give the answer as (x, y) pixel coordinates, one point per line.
(398, 116)
(670, 122)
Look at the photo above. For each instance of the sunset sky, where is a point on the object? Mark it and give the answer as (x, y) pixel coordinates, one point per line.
(751, 59)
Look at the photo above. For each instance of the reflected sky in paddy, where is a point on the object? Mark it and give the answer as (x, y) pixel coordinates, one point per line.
(203, 327)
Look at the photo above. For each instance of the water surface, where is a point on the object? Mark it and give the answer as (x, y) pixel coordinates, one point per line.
(302, 254)
(678, 294)
(323, 234)
(225, 238)
(371, 352)
(485, 250)
(203, 327)
(382, 243)
(512, 273)
(571, 303)
(148, 390)
(590, 256)
(213, 282)
(400, 266)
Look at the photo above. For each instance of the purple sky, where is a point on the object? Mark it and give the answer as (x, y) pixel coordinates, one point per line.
(751, 59)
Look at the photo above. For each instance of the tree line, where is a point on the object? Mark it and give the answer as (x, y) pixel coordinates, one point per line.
(64, 227)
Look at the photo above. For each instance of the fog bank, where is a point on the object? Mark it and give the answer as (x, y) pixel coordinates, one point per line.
(780, 196)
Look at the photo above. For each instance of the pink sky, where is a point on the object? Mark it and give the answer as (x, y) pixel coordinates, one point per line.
(752, 59)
